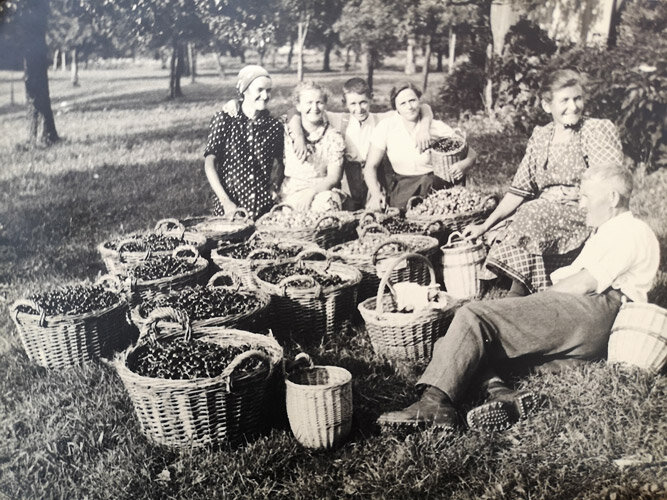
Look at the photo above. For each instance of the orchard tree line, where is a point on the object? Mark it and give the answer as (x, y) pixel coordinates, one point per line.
(499, 80)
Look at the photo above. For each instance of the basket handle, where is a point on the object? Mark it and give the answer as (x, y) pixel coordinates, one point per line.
(110, 282)
(253, 253)
(309, 252)
(336, 222)
(33, 305)
(433, 227)
(373, 228)
(384, 282)
(240, 213)
(281, 206)
(236, 281)
(454, 237)
(391, 241)
(126, 242)
(227, 372)
(490, 202)
(186, 248)
(413, 201)
(166, 313)
(164, 226)
(314, 285)
(300, 361)
(367, 217)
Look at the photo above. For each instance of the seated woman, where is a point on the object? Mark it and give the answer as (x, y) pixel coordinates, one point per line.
(309, 183)
(412, 171)
(547, 228)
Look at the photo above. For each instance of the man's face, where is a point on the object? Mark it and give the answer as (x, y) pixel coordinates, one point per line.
(358, 105)
(258, 93)
(596, 198)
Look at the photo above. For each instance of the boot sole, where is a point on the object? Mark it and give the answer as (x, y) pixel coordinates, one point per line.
(500, 415)
(412, 425)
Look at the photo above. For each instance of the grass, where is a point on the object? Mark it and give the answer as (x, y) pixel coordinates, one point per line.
(128, 158)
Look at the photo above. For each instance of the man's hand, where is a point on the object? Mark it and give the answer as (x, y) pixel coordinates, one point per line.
(231, 107)
(376, 203)
(473, 231)
(423, 140)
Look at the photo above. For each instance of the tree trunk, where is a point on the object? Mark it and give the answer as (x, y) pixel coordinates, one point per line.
(368, 63)
(56, 56)
(221, 68)
(192, 59)
(427, 63)
(63, 60)
(438, 61)
(348, 49)
(242, 55)
(290, 54)
(302, 32)
(35, 74)
(328, 47)
(75, 69)
(452, 49)
(410, 68)
(488, 89)
(175, 70)
(185, 62)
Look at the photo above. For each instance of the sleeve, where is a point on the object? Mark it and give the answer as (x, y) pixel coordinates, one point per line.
(379, 135)
(612, 258)
(336, 120)
(336, 150)
(523, 183)
(602, 144)
(441, 129)
(216, 135)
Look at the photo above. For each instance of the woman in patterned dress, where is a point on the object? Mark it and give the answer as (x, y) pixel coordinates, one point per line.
(243, 156)
(309, 183)
(547, 228)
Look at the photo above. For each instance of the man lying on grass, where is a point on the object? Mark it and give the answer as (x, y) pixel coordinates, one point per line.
(570, 320)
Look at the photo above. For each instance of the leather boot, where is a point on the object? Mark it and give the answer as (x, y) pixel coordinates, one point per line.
(502, 409)
(434, 409)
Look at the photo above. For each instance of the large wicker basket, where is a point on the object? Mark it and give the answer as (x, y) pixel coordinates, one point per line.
(215, 228)
(406, 336)
(311, 313)
(462, 265)
(254, 320)
(203, 411)
(319, 405)
(68, 340)
(244, 267)
(282, 222)
(119, 261)
(453, 222)
(442, 161)
(367, 262)
(639, 336)
(142, 290)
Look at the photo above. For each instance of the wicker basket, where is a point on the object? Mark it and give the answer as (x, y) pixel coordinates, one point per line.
(120, 261)
(244, 267)
(441, 162)
(238, 227)
(367, 262)
(462, 265)
(366, 217)
(255, 320)
(202, 411)
(407, 336)
(68, 340)
(309, 314)
(639, 336)
(326, 230)
(319, 405)
(143, 290)
(453, 222)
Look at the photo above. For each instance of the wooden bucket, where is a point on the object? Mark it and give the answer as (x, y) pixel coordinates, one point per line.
(639, 336)
(462, 262)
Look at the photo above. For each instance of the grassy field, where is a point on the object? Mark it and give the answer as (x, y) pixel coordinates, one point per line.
(127, 158)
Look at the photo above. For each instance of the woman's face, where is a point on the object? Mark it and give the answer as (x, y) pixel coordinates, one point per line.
(311, 106)
(358, 105)
(258, 94)
(566, 105)
(407, 105)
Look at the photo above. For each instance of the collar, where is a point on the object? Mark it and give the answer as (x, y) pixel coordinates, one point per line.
(617, 219)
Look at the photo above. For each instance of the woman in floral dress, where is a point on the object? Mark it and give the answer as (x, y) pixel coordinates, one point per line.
(547, 228)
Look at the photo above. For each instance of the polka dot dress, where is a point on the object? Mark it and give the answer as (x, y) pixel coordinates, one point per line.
(245, 152)
(548, 229)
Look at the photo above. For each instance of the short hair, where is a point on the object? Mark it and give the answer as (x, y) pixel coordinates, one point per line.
(356, 86)
(560, 79)
(400, 88)
(615, 175)
(308, 85)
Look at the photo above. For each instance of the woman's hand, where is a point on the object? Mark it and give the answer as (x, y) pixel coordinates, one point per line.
(376, 203)
(423, 139)
(457, 170)
(300, 149)
(473, 231)
(229, 207)
(302, 200)
(231, 107)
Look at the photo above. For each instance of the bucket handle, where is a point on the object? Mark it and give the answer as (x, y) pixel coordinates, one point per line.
(235, 279)
(394, 241)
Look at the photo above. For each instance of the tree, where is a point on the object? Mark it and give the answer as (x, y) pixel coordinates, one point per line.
(26, 21)
(370, 27)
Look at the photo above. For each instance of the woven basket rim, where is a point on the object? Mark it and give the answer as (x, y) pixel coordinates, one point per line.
(343, 216)
(392, 318)
(429, 242)
(206, 334)
(328, 368)
(200, 264)
(193, 237)
(309, 245)
(460, 138)
(235, 226)
(332, 266)
(122, 301)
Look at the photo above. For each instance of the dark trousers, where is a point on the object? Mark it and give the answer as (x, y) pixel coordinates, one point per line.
(358, 191)
(541, 327)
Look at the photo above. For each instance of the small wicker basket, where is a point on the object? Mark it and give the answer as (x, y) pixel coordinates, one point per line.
(308, 314)
(453, 222)
(639, 336)
(68, 340)
(462, 265)
(442, 162)
(142, 290)
(406, 336)
(202, 411)
(215, 228)
(319, 405)
(119, 261)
